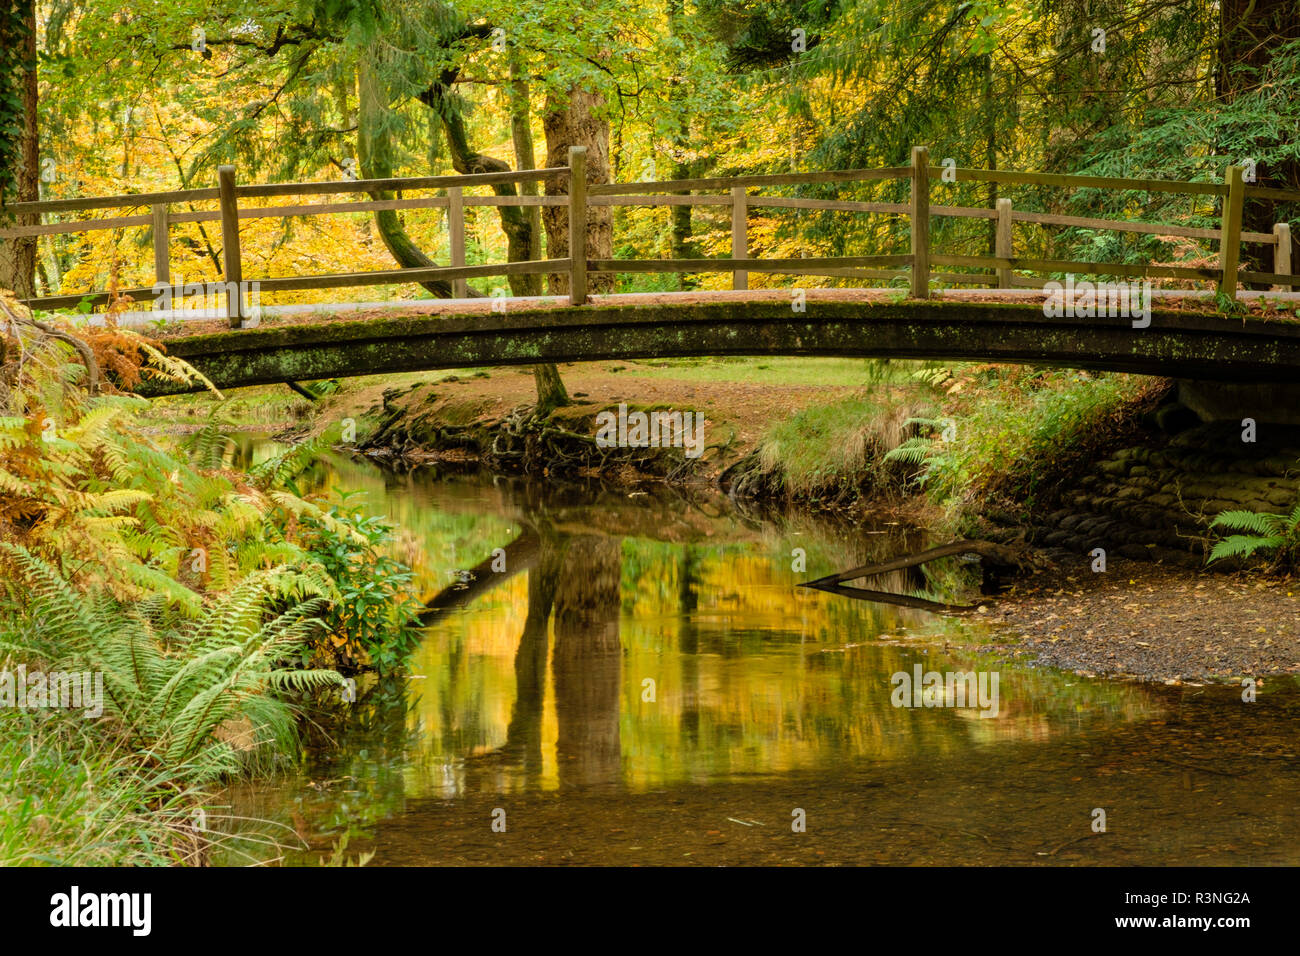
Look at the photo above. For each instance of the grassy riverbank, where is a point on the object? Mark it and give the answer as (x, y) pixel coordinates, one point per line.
(164, 617)
(815, 432)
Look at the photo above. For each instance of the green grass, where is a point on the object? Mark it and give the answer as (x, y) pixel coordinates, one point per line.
(1021, 433)
(1012, 434)
(773, 370)
(836, 448)
(67, 801)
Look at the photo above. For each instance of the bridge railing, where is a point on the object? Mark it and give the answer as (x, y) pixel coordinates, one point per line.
(1001, 268)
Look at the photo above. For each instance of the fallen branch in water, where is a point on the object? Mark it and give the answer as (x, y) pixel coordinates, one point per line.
(888, 597)
(996, 553)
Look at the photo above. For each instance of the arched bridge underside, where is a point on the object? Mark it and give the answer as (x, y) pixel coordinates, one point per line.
(1177, 344)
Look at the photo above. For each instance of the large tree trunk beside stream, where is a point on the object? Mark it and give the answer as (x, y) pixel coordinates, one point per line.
(578, 121)
(18, 256)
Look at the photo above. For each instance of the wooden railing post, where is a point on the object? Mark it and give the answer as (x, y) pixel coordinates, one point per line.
(456, 237)
(920, 222)
(1002, 245)
(739, 234)
(1282, 253)
(578, 225)
(1230, 232)
(233, 269)
(161, 259)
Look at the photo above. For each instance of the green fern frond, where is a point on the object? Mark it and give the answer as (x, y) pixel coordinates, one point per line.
(1243, 546)
(1252, 522)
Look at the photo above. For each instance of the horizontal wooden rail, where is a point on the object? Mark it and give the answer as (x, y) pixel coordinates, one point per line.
(800, 266)
(316, 209)
(964, 211)
(402, 276)
(834, 205)
(136, 200)
(1080, 182)
(729, 182)
(952, 278)
(82, 225)
(337, 281)
(131, 201)
(1269, 192)
(94, 298)
(254, 212)
(1081, 268)
(963, 278)
(657, 200)
(275, 212)
(516, 200)
(401, 182)
(1121, 225)
(1274, 278)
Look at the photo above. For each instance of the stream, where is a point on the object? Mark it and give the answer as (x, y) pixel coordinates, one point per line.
(641, 682)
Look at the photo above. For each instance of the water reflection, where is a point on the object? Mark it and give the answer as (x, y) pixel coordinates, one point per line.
(628, 651)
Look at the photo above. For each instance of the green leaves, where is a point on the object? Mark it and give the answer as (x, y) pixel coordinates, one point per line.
(15, 30)
(373, 623)
(1263, 532)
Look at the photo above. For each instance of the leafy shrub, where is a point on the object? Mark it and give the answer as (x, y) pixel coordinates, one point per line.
(196, 591)
(373, 621)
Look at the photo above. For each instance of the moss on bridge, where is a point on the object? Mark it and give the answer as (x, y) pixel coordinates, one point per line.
(1177, 343)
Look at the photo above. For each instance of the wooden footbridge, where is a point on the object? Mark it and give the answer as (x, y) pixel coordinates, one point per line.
(1006, 323)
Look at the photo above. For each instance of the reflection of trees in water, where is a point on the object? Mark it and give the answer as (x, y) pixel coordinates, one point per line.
(524, 733)
(576, 579)
(587, 661)
(586, 582)
(688, 643)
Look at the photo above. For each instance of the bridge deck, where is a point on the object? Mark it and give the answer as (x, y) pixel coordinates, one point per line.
(1182, 340)
(194, 322)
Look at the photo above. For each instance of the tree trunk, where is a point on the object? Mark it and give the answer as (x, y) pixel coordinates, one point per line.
(18, 32)
(514, 219)
(682, 245)
(551, 393)
(578, 121)
(586, 665)
(521, 133)
(524, 733)
(375, 155)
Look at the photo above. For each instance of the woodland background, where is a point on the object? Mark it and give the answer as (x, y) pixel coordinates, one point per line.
(100, 99)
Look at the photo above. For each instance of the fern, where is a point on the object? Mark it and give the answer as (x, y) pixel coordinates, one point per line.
(207, 447)
(914, 451)
(204, 697)
(277, 472)
(1252, 522)
(1261, 532)
(922, 450)
(1243, 546)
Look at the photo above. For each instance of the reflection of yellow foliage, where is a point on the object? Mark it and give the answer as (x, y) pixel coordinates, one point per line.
(771, 685)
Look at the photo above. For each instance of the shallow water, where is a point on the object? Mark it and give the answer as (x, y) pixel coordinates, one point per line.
(644, 683)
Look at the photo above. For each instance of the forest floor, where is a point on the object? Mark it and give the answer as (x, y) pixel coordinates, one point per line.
(739, 398)
(1152, 621)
